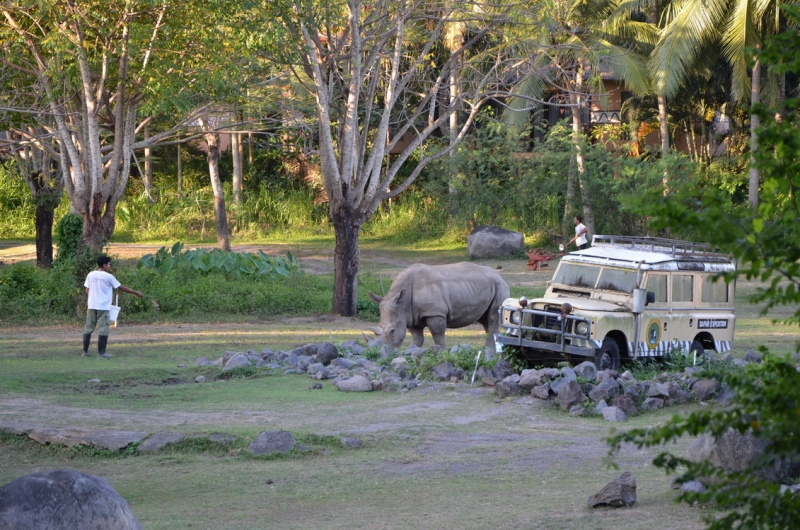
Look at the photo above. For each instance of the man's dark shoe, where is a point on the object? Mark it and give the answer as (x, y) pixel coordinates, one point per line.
(105, 355)
(87, 338)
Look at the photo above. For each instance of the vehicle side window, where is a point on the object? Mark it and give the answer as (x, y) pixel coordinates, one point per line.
(658, 284)
(714, 291)
(682, 288)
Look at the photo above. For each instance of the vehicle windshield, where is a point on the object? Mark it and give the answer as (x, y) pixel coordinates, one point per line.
(592, 276)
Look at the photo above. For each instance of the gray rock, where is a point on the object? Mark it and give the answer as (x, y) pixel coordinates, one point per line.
(570, 394)
(739, 363)
(734, 452)
(93, 381)
(658, 390)
(507, 387)
(314, 368)
(626, 403)
(202, 361)
(501, 369)
(752, 357)
(605, 375)
(568, 373)
(356, 383)
(399, 363)
(237, 361)
(627, 376)
(158, 441)
(322, 352)
(586, 370)
(652, 403)
(63, 499)
(577, 410)
(557, 384)
(704, 389)
(619, 492)
(228, 355)
(322, 374)
(272, 442)
(444, 371)
(291, 359)
(631, 392)
(727, 357)
(488, 381)
(387, 352)
(678, 395)
(111, 440)
(693, 486)
(600, 406)
(614, 414)
(268, 351)
(350, 442)
(377, 385)
(491, 242)
(341, 362)
(541, 391)
(530, 379)
(605, 390)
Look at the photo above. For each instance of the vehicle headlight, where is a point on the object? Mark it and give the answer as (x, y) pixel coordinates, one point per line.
(582, 328)
(515, 317)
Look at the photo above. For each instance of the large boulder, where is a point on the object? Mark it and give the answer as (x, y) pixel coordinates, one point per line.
(322, 352)
(491, 242)
(272, 442)
(61, 499)
(357, 383)
(735, 452)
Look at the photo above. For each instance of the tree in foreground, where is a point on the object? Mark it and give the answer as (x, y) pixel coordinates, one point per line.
(767, 397)
(380, 74)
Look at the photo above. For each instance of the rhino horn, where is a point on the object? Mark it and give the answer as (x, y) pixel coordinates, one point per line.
(376, 330)
(377, 299)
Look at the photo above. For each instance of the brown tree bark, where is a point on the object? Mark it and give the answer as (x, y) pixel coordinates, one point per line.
(346, 258)
(755, 123)
(220, 214)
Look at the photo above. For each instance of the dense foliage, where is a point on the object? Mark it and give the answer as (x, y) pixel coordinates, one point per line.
(766, 241)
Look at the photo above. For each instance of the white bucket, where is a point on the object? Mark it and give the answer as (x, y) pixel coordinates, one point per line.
(113, 314)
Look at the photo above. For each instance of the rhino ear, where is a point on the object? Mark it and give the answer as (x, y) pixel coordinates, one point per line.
(400, 296)
(377, 299)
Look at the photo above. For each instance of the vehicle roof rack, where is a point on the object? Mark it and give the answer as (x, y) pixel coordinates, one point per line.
(673, 247)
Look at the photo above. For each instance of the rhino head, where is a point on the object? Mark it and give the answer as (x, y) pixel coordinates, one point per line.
(393, 318)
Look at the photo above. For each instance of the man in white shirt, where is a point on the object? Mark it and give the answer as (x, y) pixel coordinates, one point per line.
(100, 285)
(580, 233)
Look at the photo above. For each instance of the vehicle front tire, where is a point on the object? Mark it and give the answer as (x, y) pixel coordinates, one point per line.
(607, 356)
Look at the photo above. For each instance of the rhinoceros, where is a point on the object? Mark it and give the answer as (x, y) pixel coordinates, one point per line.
(440, 297)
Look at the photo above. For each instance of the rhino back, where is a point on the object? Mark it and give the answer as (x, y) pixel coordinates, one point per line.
(460, 292)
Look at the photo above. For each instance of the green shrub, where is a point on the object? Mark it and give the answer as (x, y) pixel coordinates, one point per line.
(462, 357)
(67, 236)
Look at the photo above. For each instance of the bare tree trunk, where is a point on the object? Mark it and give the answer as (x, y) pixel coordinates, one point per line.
(237, 153)
(147, 178)
(577, 101)
(180, 171)
(47, 200)
(250, 148)
(221, 216)
(346, 258)
(755, 97)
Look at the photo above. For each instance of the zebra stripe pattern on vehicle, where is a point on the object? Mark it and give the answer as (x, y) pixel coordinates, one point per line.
(666, 347)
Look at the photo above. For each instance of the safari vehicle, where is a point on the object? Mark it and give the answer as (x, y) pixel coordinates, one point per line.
(626, 298)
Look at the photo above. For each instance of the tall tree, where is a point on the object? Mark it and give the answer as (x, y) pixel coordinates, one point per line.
(374, 78)
(91, 66)
(739, 26)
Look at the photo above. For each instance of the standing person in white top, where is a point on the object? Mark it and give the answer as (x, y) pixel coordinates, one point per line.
(580, 233)
(100, 285)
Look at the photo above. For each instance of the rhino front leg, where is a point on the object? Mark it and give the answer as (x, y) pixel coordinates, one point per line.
(417, 336)
(437, 325)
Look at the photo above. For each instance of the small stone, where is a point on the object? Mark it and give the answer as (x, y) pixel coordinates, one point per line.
(202, 361)
(351, 442)
(94, 381)
(652, 403)
(182, 365)
(357, 383)
(541, 391)
(317, 386)
(200, 379)
(704, 389)
(752, 357)
(600, 406)
(614, 414)
(619, 492)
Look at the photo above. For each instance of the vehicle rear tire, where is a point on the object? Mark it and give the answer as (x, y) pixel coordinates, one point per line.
(607, 355)
(701, 351)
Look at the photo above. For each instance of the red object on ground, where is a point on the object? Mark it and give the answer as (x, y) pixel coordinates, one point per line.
(538, 259)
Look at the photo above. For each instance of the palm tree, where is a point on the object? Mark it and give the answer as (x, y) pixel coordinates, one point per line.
(739, 26)
(579, 39)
